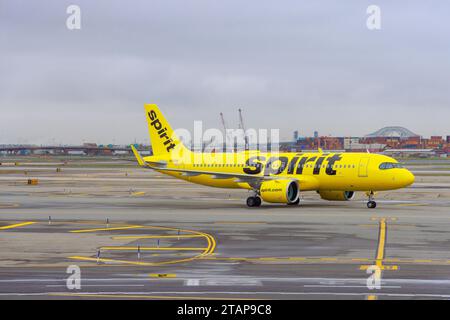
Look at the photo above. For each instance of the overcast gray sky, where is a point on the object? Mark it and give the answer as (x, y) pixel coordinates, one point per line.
(306, 65)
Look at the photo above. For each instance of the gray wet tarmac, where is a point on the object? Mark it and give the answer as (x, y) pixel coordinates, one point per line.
(160, 238)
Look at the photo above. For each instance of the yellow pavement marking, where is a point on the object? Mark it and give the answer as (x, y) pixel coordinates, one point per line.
(136, 263)
(411, 204)
(162, 275)
(211, 241)
(138, 296)
(372, 297)
(140, 193)
(390, 267)
(297, 258)
(17, 225)
(328, 259)
(360, 259)
(380, 254)
(381, 242)
(293, 259)
(105, 229)
(152, 248)
(209, 250)
(382, 267)
(422, 260)
(158, 237)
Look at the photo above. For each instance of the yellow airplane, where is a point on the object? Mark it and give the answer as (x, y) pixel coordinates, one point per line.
(272, 177)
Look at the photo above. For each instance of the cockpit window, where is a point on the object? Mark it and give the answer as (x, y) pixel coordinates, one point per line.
(390, 165)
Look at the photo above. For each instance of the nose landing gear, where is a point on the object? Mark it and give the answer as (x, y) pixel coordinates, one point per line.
(371, 204)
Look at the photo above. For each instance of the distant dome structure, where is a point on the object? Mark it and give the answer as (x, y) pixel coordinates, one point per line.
(398, 132)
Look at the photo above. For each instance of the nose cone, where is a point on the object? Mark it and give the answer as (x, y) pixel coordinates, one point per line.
(408, 178)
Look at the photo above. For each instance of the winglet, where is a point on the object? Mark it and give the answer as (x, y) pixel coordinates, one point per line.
(139, 159)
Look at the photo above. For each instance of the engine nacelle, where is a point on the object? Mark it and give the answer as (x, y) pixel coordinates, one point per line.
(337, 195)
(280, 191)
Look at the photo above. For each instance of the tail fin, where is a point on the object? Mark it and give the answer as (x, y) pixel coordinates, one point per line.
(163, 139)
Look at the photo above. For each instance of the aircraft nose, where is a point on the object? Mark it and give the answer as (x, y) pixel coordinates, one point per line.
(408, 178)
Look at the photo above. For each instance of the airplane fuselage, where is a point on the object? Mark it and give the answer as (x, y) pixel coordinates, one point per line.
(315, 171)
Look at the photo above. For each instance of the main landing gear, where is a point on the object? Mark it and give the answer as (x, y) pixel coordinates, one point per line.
(253, 201)
(371, 204)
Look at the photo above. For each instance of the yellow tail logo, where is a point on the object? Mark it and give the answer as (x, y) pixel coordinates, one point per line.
(162, 137)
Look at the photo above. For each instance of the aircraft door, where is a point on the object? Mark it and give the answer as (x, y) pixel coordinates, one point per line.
(363, 167)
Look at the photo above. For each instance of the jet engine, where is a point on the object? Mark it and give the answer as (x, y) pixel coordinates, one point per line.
(280, 191)
(337, 195)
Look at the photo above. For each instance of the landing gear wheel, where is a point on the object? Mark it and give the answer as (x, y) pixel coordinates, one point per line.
(253, 201)
(371, 204)
(295, 203)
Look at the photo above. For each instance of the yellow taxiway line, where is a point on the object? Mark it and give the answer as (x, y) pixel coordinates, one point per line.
(136, 263)
(380, 254)
(162, 275)
(105, 229)
(209, 250)
(17, 225)
(381, 242)
(158, 237)
(139, 193)
(153, 248)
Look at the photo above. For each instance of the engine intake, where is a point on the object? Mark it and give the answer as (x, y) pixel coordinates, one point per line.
(337, 195)
(280, 191)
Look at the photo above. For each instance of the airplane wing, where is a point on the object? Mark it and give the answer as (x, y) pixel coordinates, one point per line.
(305, 182)
(253, 180)
(218, 175)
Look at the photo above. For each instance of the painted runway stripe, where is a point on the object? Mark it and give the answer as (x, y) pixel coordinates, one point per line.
(17, 225)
